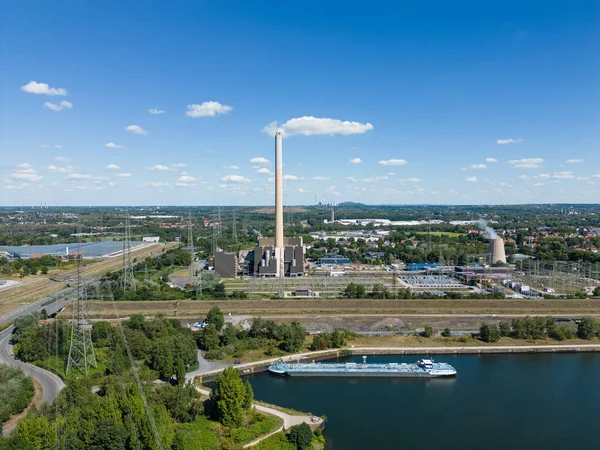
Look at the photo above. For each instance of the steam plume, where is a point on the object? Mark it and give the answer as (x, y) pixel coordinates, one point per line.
(488, 231)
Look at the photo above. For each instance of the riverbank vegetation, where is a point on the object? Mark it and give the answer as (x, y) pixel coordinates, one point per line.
(265, 338)
(299, 437)
(16, 391)
(537, 328)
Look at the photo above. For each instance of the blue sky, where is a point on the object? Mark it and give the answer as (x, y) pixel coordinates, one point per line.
(379, 102)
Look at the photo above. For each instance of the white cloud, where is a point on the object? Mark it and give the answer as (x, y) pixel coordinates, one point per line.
(62, 159)
(508, 141)
(113, 145)
(524, 177)
(538, 184)
(58, 107)
(356, 161)
(34, 87)
(351, 179)
(574, 161)
(160, 168)
(24, 166)
(471, 179)
(158, 184)
(597, 176)
(66, 169)
(260, 160)
(186, 179)
(526, 163)
(44, 146)
(179, 165)
(374, 179)
(26, 176)
(207, 109)
(264, 171)
(135, 129)
(156, 111)
(235, 179)
(410, 180)
(312, 126)
(393, 162)
(559, 175)
(477, 166)
(123, 175)
(303, 191)
(491, 160)
(112, 167)
(319, 178)
(77, 176)
(291, 178)
(232, 167)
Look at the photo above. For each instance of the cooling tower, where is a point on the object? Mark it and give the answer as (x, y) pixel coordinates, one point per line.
(497, 251)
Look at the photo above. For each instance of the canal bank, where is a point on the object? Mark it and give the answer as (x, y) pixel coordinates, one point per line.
(323, 355)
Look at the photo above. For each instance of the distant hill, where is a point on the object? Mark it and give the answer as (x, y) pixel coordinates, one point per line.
(351, 205)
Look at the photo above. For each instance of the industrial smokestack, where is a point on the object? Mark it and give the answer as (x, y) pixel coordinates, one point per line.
(497, 253)
(279, 204)
(332, 216)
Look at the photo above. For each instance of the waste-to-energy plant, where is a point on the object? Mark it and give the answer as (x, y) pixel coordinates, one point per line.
(272, 257)
(497, 251)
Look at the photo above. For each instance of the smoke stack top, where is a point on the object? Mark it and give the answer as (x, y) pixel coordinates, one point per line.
(487, 230)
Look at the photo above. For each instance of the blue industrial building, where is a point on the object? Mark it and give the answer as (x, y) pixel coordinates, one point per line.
(334, 260)
(413, 267)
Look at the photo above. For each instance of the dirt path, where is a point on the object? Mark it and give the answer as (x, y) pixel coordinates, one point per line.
(11, 424)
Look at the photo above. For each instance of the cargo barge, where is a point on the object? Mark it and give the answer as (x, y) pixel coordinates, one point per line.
(425, 368)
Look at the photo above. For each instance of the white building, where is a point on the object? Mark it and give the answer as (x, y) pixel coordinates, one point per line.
(152, 239)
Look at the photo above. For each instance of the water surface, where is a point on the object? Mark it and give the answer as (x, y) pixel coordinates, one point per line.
(549, 401)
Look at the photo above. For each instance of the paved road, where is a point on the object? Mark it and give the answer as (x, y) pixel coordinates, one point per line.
(204, 366)
(51, 383)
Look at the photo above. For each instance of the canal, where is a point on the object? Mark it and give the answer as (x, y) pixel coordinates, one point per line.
(546, 401)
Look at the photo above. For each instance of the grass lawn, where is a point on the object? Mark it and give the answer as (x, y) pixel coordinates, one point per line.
(204, 434)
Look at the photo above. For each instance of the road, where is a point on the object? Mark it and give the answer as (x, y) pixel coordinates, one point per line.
(51, 383)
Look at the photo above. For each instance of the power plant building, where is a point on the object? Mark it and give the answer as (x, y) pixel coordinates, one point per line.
(262, 261)
(226, 264)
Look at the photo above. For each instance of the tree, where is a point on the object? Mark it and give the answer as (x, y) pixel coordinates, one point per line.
(215, 317)
(301, 436)
(180, 371)
(428, 332)
(209, 339)
(292, 336)
(229, 395)
(596, 292)
(446, 332)
(587, 328)
(489, 333)
(249, 398)
(505, 329)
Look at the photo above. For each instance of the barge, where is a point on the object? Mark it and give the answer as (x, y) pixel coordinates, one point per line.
(425, 368)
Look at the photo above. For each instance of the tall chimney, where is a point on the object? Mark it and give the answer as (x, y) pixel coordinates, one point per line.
(279, 204)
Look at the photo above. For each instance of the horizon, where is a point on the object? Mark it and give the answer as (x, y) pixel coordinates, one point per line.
(469, 104)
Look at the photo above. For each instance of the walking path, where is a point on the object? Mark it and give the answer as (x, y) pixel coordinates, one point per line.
(288, 419)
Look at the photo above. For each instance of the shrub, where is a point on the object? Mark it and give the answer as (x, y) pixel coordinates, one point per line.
(428, 331)
(301, 436)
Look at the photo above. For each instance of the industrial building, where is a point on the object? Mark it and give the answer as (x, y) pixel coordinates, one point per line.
(334, 260)
(262, 261)
(226, 264)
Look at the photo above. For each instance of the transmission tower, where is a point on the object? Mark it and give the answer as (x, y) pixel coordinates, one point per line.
(191, 245)
(81, 352)
(127, 278)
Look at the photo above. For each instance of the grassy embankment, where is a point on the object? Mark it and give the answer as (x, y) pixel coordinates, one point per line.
(196, 308)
